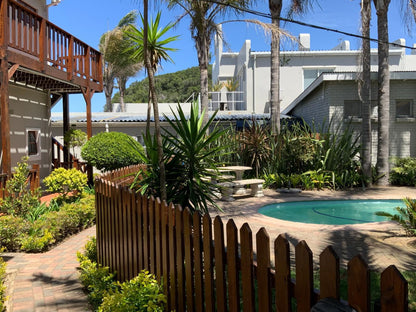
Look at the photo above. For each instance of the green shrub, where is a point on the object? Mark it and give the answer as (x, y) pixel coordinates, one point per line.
(97, 280)
(2, 281)
(111, 150)
(142, 293)
(63, 181)
(12, 230)
(20, 198)
(90, 249)
(74, 138)
(37, 243)
(404, 172)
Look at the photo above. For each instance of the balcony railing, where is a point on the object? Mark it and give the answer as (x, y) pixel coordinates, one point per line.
(227, 100)
(35, 43)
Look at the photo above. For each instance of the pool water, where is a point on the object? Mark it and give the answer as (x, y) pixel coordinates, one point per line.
(335, 212)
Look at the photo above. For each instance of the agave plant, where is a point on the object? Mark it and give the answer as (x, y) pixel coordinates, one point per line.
(406, 217)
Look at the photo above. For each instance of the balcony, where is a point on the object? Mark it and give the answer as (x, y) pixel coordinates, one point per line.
(227, 100)
(43, 55)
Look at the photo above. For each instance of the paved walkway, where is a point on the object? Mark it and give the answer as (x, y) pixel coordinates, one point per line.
(380, 244)
(47, 281)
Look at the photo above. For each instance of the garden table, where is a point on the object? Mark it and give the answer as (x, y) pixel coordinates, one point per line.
(239, 171)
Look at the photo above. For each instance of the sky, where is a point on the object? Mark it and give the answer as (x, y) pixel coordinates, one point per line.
(89, 19)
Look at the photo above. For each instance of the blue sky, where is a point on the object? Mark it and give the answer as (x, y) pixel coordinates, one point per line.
(89, 19)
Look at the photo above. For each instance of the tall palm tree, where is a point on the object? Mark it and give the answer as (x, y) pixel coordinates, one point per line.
(148, 46)
(117, 64)
(275, 7)
(383, 148)
(203, 15)
(365, 90)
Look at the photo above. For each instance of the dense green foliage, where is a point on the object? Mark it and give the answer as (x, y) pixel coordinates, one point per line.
(20, 199)
(189, 158)
(406, 217)
(142, 293)
(111, 150)
(64, 181)
(170, 88)
(300, 156)
(403, 172)
(53, 225)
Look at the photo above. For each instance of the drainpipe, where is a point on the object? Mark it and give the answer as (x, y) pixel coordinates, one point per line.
(254, 83)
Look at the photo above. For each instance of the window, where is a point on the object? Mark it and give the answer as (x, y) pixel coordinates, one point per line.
(404, 108)
(33, 143)
(309, 75)
(352, 109)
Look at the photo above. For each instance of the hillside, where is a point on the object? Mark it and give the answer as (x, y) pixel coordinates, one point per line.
(171, 88)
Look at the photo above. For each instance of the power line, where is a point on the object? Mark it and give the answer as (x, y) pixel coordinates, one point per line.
(289, 20)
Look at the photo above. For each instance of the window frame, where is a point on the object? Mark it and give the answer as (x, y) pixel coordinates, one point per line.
(36, 156)
(410, 102)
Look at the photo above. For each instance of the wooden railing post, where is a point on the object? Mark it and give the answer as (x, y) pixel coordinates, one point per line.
(43, 44)
(70, 66)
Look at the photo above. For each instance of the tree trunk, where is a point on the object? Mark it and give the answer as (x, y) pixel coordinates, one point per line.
(202, 46)
(121, 88)
(149, 112)
(383, 92)
(275, 7)
(365, 92)
(150, 74)
(108, 91)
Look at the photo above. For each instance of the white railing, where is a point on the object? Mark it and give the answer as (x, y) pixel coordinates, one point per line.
(227, 100)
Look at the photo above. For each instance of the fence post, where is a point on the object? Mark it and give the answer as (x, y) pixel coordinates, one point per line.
(329, 274)
(179, 259)
(247, 276)
(198, 269)
(208, 264)
(219, 251)
(263, 270)
(393, 290)
(233, 267)
(359, 284)
(282, 274)
(304, 277)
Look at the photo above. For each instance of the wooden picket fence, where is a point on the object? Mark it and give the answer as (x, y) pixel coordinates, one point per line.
(205, 266)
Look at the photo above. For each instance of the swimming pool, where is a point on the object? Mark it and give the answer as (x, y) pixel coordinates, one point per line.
(335, 212)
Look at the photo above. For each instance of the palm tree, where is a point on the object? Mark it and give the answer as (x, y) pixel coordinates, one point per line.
(275, 7)
(117, 64)
(383, 148)
(203, 15)
(364, 90)
(148, 46)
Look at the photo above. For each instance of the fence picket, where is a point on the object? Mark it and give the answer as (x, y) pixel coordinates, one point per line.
(180, 259)
(304, 277)
(165, 248)
(198, 269)
(329, 273)
(208, 264)
(146, 245)
(135, 226)
(233, 267)
(219, 254)
(172, 258)
(359, 284)
(138, 201)
(282, 274)
(263, 270)
(158, 238)
(152, 238)
(393, 290)
(247, 276)
(128, 219)
(189, 265)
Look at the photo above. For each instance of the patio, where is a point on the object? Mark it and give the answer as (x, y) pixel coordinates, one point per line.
(380, 244)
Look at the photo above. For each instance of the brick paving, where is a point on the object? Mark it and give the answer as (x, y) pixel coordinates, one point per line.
(380, 244)
(47, 281)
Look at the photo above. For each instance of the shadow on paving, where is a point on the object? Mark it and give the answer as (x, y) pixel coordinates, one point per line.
(46, 279)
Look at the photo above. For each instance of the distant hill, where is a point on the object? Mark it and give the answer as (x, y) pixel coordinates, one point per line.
(170, 88)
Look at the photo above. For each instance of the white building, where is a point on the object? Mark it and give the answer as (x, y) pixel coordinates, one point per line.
(299, 68)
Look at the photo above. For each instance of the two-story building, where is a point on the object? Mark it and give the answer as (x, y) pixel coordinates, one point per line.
(40, 63)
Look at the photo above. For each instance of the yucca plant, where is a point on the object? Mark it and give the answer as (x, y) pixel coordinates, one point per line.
(406, 217)
(194, 153)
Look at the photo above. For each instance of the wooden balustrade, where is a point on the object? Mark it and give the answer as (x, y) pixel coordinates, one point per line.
(206, 266)
(33, 180)
(37, 44)
(58, 156)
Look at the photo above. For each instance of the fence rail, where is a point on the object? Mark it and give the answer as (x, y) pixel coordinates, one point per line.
(206, 266)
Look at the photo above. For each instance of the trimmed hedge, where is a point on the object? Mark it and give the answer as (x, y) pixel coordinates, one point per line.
(111, 150)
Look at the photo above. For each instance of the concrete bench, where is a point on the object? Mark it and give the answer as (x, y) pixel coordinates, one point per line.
(255, 184)
(226, 189)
